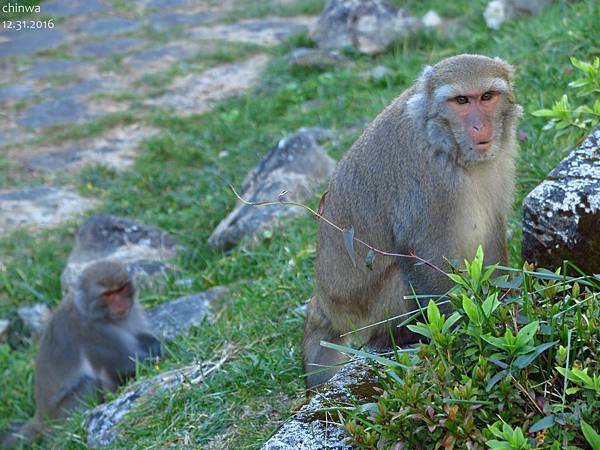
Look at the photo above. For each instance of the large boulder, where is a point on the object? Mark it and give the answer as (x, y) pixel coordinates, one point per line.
(562, 215)
(298, 165)
(499, 11)
(315, 426)
(368, 26)
(144, 248)
(175, 318)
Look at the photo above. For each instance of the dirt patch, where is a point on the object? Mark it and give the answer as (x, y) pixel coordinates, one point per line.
(40, 207)
(197, 93)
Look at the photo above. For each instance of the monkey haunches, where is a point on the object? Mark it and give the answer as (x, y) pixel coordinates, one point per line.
(433, 173)
(92, 344)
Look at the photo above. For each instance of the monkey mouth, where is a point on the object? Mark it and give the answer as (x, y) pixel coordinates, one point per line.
(482, 146)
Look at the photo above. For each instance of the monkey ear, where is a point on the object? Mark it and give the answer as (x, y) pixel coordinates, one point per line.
(417, 104)
(510, 69)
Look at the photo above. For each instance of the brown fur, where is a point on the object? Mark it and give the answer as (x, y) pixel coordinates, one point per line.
(410, 182)
(84, 350)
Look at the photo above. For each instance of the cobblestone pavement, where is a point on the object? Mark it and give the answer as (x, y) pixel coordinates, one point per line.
(91, 61)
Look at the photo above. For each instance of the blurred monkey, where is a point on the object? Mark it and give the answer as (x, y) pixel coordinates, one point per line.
(91, 344)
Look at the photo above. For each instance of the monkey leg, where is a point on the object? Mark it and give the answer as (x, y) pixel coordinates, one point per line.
(319, 362)
(392, 308)
(74, 394)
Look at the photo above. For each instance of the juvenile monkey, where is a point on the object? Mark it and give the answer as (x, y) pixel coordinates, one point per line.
(433, 174)
(91, 344)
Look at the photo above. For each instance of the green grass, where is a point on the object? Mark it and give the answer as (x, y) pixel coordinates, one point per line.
(181, 184)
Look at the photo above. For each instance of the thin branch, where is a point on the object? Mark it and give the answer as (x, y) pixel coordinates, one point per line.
(330, 223)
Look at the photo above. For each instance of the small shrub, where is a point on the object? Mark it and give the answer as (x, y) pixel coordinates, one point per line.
(564, 117)
(515, 366)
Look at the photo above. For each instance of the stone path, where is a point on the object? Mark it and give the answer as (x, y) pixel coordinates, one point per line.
(78, 71)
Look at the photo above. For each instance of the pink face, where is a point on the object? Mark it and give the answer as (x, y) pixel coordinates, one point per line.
(118, 301)
(477, 110)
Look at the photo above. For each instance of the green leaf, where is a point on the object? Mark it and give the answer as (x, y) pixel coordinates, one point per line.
(471, 309)
(498, 445)
(372, 356)
(490, 304)
(458, 280)
(544, 113)
(525, 334)
(590, 435)
(455, 317)
(495, 341)
(433, 313)
(349, 243)
(488, 273)
(370, 259)
(542, 424)
(495, 379)
(524, 360)
(421, 329)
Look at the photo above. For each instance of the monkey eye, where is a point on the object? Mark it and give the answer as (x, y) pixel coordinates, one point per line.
(487, 96)
(461, 99)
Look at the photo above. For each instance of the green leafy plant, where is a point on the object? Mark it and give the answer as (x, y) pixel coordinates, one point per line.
(564, 116)
(515, 366)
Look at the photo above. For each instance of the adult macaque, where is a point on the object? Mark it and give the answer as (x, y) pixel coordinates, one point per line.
(91, 344)
(432, 174)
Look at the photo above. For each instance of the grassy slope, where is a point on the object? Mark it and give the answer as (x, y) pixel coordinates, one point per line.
(180, 184)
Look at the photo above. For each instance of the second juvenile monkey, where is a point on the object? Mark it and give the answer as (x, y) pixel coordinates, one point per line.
(90, 345)
(432, 174)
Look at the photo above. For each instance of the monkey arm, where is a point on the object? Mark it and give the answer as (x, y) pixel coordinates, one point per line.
(149, 346)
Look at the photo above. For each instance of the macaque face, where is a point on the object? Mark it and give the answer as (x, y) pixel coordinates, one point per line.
(118, 301)
(106, 291)
(477, 111)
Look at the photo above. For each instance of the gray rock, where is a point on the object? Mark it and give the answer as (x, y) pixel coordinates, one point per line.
(314, 57)
(301, 310)
(16, 92)
(67, 8)
(562, 215)
(378, 73)
(108, 47)
(369, 26)
(35, 317)
(152, 54)
(54, 112)
(164, 21)
(431, 19)
(79, 89)
(315, 428)
(53, 162)
(175, 318)
(103, 421)
(298, 165)
(116, 148)
(109, 26)
(19, 43)
(144, 248)
(165, 3)
(499, 11)
(11, 136)
(40, 207)
(53, 67)
(4, 328)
